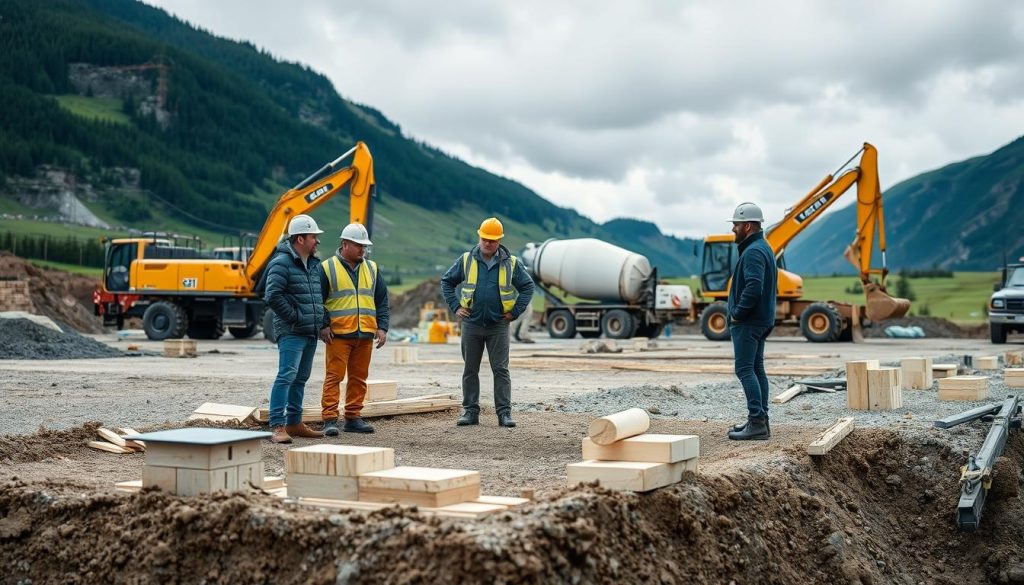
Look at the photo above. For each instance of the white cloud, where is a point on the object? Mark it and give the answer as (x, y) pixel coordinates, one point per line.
(668, 111)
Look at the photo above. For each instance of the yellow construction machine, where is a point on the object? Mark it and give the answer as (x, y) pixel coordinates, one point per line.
(819, 320)
(179, 291)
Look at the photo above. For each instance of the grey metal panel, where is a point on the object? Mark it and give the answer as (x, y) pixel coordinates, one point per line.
(200, 436)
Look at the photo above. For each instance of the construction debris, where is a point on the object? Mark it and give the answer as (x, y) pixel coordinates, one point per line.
(831, 437)
(21, 339)
(787, 395)
(116, 443)
(600, 346)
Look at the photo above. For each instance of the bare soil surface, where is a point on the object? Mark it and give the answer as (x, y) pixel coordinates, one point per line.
(61, 296)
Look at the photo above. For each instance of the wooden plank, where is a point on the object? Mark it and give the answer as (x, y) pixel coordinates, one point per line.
(635, 476)
(179, 348)
(474, 509)
(884, 390)
(986, 362)
(723, 369)
(128, 486)
(787, 395)
(943, 370)
(346, 460)
(111, 437)
(507, 501)
(109, 447)
(165, 478)
(419, 479)
(963, 388)
(437, 499)
(202, 456)
(916, 373)
(1014, 377)
(857, 383)
(272, 482)
(334, 487)
(379, 390)
(650, 448)
(192, 482)
(615, 427)
(420, 404)
(222, 412)
(831, 437)
(130, 431)
(251, 474)
(405, 355)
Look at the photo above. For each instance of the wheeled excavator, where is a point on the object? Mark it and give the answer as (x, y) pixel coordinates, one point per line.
(177, 295)
(819, 320)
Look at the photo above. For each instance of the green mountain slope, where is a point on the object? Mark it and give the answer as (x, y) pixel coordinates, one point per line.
(964, 216)
(158, 125)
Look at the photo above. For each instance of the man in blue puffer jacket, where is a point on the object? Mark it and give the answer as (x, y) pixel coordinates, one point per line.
(752, 317)
(293, 293)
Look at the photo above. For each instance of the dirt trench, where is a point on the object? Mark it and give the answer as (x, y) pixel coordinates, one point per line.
(878, 509)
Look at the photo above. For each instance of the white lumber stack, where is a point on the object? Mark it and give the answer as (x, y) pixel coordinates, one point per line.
(420, 486)
(916, 373)
(857, 384)
(651, 448)
(963, 388)
(885, 391)
(637, 476)
(990, 362)
(1014, 377)
(943, 370)
(405, 355)
(180, 348)
(831, 437)
(621, 425)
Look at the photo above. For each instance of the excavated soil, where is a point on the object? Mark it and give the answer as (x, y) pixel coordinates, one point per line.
(932, 326)
(405, 307)
(21, 339)
(61, 296)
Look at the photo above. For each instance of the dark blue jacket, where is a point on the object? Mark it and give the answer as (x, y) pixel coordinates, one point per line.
(486, 308)
(380, 297)
(293, 293)
(754, 284)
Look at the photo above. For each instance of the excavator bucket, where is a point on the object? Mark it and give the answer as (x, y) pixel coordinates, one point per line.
(881, 306)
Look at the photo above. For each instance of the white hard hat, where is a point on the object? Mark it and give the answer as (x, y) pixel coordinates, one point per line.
(356, 232)
(303, 224)
(747, 212)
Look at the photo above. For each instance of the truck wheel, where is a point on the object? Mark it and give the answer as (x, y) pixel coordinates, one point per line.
(561, 324)
(244, 332)
(821, 323)
(714, 322)
(618, 324)
(268, 326)
(164, 320)
(997, 331)
(205, 329)
(650, 330)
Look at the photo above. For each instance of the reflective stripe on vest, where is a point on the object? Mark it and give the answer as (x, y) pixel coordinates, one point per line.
(506, 291)
(350, 308)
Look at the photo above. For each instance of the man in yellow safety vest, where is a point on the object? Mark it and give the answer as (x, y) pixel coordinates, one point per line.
(357, 315)
(495, 291)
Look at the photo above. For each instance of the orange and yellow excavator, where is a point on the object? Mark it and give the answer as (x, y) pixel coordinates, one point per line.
(819, 320)
(177, 291)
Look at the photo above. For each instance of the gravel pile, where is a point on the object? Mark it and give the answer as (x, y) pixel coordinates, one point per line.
(21, 339)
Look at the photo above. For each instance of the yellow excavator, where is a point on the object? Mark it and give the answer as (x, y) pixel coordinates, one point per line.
(819, 320)
(178, 291)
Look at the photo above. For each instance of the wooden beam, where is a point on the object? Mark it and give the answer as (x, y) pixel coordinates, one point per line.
(884, 389)
(332, 459)
(419, 404)
(986, 362)
(109, 447)
(111, 437)
(615, 427)
(650, 448)
(831, 437)
(335, 487)
(784, 397)
(857, 383)
(916, 373)
(222, 412)
(963, 388)
(635, 476)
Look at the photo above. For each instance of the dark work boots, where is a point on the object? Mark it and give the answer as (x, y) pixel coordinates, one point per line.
(356, 425)
(743, 425)
(755, 430)
(468, 419)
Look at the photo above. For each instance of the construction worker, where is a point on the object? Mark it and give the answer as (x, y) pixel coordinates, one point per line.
(752, 317)
(438, 330)
(495, 291)
(356, 299)
(293, 294)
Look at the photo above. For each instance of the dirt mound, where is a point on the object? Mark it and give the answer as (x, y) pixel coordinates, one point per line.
(932, 326)
(878, 509)
(405, 307)
(46, 444)
(21, 339)
(61, 296)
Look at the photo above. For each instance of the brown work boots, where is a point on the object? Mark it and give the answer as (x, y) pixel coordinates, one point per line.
(284, 434)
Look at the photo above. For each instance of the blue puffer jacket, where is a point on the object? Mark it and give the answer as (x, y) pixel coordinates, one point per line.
(754, 283)
(293, 293)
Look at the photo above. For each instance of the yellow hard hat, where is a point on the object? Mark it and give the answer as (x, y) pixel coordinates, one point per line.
(491, 229)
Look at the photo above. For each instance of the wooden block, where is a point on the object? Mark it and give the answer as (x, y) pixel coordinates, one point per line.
(335, 487)
(419, 498)
(405, 355)
(380, 390)
(636, 476)
(111, 437)
(272, 482)
(222, 412)
(346, 460)
(857, 384)
(128, 486)
(201, 456)
(1014, 377)
(192, 482)
(250, 474)
(986, 362)
(943, 370)
(916, 373)
(650, 448)
(963, 388)
(109, 447)
(165, 478)
(472, 509)
(419, 479)
(179, 348)
(884, 389)
(784, 397)
(508, 502)
(615, 427)
(831, 437)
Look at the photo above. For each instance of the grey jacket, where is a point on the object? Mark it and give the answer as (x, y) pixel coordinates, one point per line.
(486, 309)
(293, 293)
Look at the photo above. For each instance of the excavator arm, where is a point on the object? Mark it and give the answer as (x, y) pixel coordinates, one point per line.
(313, 192)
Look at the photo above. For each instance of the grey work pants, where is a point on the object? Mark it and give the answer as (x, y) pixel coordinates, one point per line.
(474, 339)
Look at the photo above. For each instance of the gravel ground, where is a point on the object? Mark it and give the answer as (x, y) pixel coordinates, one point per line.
(25, 340)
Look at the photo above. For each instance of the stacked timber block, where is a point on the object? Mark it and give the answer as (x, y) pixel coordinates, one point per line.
(989, 362)
(1014, 377)
(1013, 357)
(332, 471)
(963, 388)
(943, 370)
(618, 455)
(916, 373)
(870, 387)
(193, 461)
(15, 296)
(420, 486)
(180, 348)
(405, 355)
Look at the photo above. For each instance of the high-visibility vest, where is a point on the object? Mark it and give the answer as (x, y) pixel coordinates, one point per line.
(350, 308)
(506, 291)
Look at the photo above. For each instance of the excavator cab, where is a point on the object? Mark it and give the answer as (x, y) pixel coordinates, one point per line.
(720, 257)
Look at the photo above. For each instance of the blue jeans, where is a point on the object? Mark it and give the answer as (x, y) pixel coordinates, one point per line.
(748, 349)
(295, 362)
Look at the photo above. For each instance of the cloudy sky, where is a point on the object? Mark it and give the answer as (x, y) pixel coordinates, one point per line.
(665, 110)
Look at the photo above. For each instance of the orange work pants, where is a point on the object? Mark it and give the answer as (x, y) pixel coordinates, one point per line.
(352, 356)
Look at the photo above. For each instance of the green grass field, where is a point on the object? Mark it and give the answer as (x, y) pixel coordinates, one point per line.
(73, 268)
(104, 109)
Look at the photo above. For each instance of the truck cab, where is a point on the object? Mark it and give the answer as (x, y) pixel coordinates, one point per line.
(1006, 305)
